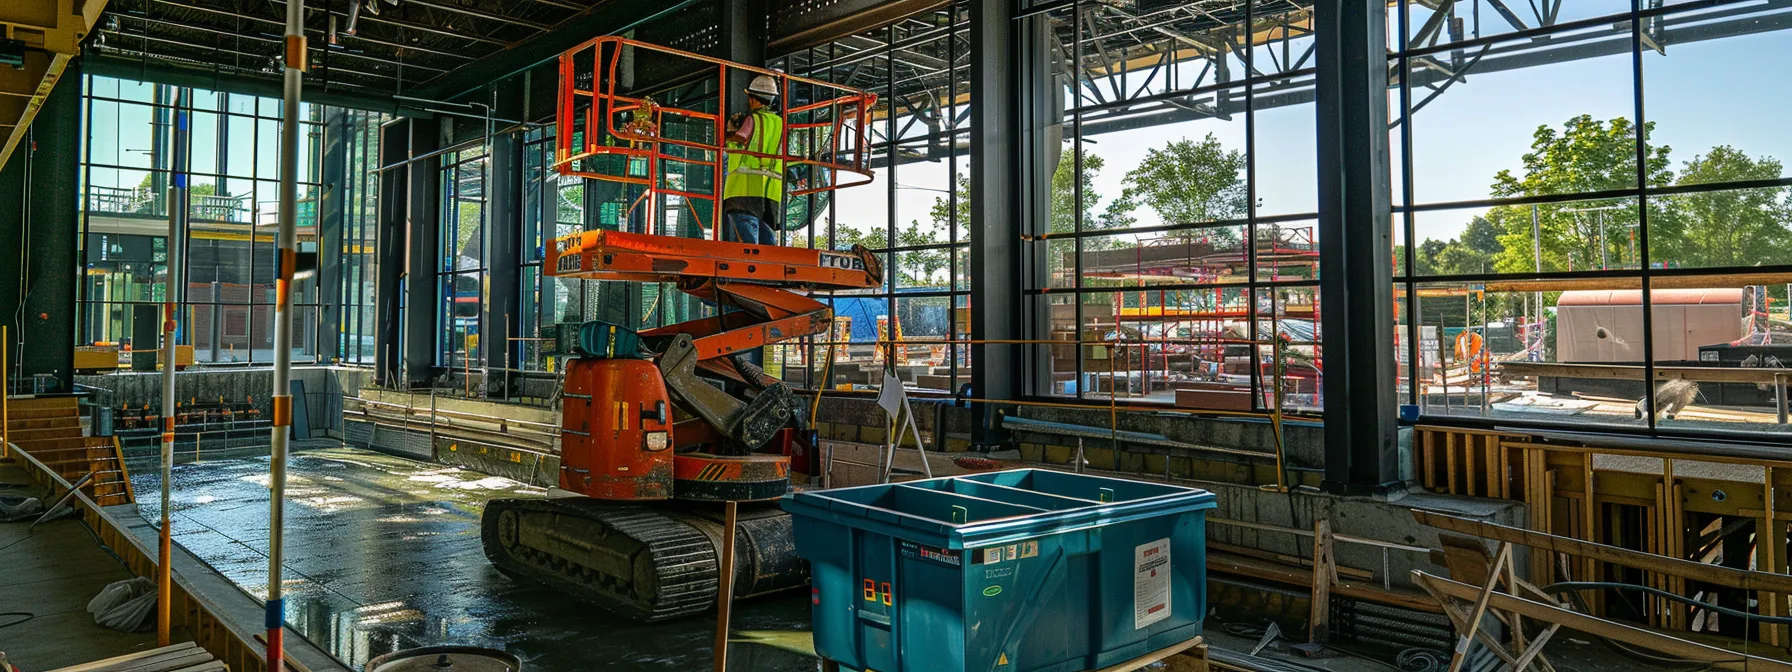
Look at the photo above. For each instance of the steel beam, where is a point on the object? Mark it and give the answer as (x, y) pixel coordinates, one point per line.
(162, 72)
(390, 253)
(996, 252)
(610, 18)
(330, 216)
(1356, 243)
(502, 320)
(422, 224)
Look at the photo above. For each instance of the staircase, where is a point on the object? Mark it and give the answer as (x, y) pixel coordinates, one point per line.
(49, 428)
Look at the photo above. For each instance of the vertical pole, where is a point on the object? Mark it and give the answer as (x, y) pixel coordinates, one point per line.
(287, 241)
(725, 591)
(1779, 385)
(5, 392)
(177, 235)
(1356, 227)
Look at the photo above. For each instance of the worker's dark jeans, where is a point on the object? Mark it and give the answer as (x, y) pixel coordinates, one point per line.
(747, 228)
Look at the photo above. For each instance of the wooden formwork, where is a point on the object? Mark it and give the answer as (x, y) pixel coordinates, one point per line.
(1706, 507)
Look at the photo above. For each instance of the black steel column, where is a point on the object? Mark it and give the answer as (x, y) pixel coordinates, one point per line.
(389, 251)
(744, 29)
(1356, 243)
(996, 141)
(329, 235)
(54, 148)
(422, 324)
(502, 320)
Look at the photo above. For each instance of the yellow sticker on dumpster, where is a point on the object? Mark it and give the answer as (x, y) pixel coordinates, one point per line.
(1001, 659)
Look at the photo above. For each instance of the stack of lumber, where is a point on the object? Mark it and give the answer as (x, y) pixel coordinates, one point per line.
(187, 657)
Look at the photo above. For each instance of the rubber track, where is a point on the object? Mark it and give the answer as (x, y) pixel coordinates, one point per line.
(682, 557)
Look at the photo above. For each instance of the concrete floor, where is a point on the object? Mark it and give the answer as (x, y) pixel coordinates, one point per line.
(383, 553)
(52, 574)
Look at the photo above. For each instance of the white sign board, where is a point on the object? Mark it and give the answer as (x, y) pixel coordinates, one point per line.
(1150, 583)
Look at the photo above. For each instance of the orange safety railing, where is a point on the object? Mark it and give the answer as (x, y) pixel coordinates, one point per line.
(608, 129)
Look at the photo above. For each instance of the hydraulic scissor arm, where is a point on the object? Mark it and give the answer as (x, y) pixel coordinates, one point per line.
(762, 294)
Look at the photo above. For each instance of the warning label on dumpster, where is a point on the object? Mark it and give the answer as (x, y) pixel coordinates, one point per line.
(1150, 583)
(943, 556)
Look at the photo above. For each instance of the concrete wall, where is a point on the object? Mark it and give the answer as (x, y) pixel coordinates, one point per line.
(324, 387)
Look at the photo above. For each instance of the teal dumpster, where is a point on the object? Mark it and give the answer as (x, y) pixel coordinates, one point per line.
(1012, 571)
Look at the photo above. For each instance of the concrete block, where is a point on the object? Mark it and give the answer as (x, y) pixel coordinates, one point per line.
(1032, 452)
(873, 434)
(1059, 454)
(957, 445)
(1100, 458)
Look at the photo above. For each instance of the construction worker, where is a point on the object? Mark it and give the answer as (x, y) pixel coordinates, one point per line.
(753, 190)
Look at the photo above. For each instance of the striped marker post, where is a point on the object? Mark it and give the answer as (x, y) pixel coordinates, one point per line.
(171, 292)
(287, 241)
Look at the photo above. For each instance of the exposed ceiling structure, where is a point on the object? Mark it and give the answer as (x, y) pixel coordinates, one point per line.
(378, 47)
(39, 38)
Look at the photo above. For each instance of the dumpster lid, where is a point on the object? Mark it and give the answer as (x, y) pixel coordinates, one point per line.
(997, 507)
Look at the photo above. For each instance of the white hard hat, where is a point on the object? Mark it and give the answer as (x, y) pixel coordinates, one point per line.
(763, 86)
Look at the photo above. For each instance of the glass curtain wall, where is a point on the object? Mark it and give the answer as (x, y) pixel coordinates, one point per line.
(914, 214)
(230, 247)
(1592, 212)
(1181, 253)
(360, 199)
(461, 272)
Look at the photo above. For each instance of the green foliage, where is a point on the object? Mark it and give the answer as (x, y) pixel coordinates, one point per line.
(1187, 182)
(1722, 228)
(1586, 156)
(1116, 214)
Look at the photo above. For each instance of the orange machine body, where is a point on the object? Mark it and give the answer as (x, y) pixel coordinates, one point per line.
(616, 430)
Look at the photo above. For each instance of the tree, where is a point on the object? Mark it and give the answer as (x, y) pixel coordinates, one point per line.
(1117, 214)
(1586, 156)
(1741, 227)
(1187, 182)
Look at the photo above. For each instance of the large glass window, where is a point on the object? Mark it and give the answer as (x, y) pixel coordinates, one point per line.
(229, 290)
(914, 214)
(1593, 214)
(1179, 247)
(460, 273)
(360, 199)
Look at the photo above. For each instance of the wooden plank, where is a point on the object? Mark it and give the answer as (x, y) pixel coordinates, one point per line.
(1589, 507)
(1490, 453)
(1721, 658)
(1533, 500)
(1155, 656)
(1505, 468)
(129, 658)
(1768, 540)
(1469, 458)
(1319, 609)
(1697, 571)
(1235, 565)
(1535, 649)
(1450, 463)
(1474, 617)
(1428, 458)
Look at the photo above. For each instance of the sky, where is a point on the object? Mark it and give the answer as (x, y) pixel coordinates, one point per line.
(1699, 94)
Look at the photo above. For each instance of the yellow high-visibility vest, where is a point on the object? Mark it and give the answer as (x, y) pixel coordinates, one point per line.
(750, 175)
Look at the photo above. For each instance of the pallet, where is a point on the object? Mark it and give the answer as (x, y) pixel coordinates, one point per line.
(1186, 656)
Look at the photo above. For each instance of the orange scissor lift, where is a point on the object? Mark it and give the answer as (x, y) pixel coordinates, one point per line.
(646, 415)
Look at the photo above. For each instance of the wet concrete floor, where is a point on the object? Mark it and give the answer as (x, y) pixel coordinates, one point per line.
(382, 553)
